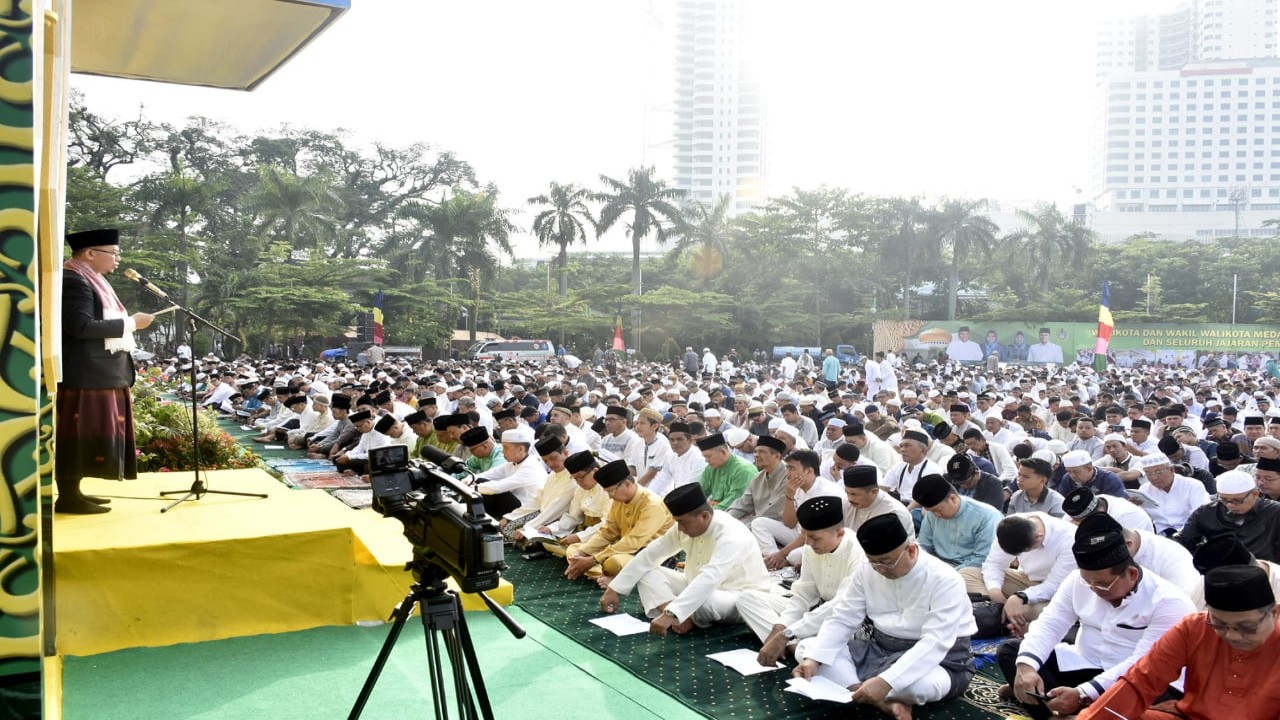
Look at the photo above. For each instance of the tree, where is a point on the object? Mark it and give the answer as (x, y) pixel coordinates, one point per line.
(705, 235)
(1050, 242)
(960, 223)
(650, 203)
(908, 242)
(463, 233)
(298, 211)
(562, 222)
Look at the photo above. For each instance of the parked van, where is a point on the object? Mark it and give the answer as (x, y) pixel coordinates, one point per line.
(514, 350)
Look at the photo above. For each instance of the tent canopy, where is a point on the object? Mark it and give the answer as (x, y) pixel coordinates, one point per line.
(232, 44)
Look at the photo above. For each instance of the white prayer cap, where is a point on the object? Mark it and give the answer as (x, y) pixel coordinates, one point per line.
(912, 424)
(1045, 455)
(1155, 459)
(1057, 447)
(587, 413)
(1234, 482)
(736, 436)
(633, 397)
(1077, 458)
(711, 412)
(776, 423)
(788, 429)
(1113, 436)
(835, 422)
(518, 434)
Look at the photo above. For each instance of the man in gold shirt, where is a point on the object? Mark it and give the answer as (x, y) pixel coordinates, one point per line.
(636, 517)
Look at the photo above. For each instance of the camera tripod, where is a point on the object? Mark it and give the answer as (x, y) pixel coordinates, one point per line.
(442, 615)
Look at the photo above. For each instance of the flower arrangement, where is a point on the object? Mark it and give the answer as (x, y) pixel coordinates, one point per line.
(162, 433)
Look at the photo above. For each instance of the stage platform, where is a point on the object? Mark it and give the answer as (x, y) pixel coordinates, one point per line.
(222, 566)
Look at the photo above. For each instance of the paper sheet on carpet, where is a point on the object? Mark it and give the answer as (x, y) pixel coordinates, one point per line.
(744, 661)
(621, 624)
(820, 688)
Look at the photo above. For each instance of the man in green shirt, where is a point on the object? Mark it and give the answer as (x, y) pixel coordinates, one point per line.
(726, 475)
(481, 445)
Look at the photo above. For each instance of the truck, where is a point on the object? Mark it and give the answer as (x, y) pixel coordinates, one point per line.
(846, 354)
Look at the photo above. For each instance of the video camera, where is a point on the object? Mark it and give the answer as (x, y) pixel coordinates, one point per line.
(443, 519)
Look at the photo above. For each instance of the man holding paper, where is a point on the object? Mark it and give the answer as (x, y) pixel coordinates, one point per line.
(722, 560)
(635, 518)
(919, 620)
(830, 557)
(1122, 610)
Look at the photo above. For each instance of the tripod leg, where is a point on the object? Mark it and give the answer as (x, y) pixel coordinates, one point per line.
(435, 668)
(473, 664)
(400, 614)
(462, 692)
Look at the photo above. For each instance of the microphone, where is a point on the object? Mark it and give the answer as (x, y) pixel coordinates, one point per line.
(133, 275)
(447, 462)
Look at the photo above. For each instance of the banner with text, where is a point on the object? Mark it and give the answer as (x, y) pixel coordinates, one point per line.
(1063, 342)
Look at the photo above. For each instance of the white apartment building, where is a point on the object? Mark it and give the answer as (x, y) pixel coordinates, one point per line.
(1188, 129)
(720, 124)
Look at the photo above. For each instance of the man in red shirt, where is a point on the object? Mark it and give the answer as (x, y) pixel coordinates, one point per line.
(1229, 652)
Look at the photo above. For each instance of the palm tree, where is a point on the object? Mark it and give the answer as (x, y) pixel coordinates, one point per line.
(562, 222)
(1050, 242)
(907, 241)
(705, 235)
(650, 202)
(464, 231)
(300, 211)
(961, 223)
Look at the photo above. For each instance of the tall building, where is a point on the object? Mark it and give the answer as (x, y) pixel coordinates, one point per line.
(720, 123)
(1189, 118)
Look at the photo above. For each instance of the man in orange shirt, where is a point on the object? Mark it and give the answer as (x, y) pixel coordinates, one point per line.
(1229, 653)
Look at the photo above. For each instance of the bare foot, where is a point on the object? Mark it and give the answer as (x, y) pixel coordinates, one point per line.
(895, 710)
(683, 627)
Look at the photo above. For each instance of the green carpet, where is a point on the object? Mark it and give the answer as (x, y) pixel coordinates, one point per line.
(318, 673)
(678, 664)
(242, 436)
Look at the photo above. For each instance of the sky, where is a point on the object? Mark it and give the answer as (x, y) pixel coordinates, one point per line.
(986, 98)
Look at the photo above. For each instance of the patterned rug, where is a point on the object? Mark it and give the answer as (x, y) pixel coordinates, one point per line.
(678, 664)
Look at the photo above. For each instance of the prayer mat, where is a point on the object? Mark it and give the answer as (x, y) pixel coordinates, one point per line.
(678, 665)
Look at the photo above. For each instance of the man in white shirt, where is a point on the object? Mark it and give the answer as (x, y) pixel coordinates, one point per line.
(647, 426)
(516, 482)
(354, 461)
(1121, 609)
(722, 560)
(962, 348)
(903, 476)
(1178, 496)
(1083, 502)
(1041, 544)
(620, 442)
(1045, 351)
(683, 465)
(872, 448)
(831, 554)
(918, 647)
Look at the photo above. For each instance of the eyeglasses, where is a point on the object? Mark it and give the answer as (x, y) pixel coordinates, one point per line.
(892, 565)
(1239, 629)
(1104, 588)
(106, 252)
(1236, 501)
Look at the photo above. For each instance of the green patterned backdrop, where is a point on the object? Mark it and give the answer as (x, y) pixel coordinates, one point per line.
(25, 411)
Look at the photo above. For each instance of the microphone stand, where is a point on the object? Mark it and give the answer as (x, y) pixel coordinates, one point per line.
(199, 488)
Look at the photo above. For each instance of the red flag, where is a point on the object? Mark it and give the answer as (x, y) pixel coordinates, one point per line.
(618, 343)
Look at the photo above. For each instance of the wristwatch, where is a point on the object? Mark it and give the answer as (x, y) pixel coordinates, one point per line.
(671, 615)
(1084, 697)
(1021, 596)
(789, 634)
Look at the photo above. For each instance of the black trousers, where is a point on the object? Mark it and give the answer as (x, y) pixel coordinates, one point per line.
(1007, 657)
(500, 504)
